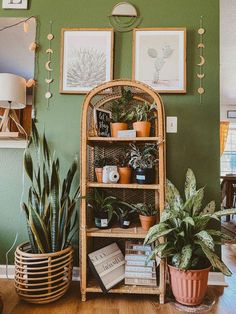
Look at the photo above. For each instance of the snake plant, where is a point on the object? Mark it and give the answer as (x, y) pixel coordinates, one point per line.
(51, 209)
(190, 241)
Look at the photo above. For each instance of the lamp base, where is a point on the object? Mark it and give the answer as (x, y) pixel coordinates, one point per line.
(10, 115)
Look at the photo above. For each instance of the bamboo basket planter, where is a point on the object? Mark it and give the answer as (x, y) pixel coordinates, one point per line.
(93, 146)
(42, 278)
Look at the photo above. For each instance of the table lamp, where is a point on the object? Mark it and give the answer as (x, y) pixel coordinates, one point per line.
(12, 96)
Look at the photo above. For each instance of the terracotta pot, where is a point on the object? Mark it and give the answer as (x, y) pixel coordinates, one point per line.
(147, 221)
(189, 287)
(142, 128)
(125, 175)
(115, 127)
(98, 172)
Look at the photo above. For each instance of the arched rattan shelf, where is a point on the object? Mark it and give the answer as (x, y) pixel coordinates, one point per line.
(155, 193)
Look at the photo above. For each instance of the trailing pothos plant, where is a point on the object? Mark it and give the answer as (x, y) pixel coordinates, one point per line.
(190, 241)
(50, 209)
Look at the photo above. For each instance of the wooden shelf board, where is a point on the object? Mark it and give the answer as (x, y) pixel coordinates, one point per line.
(135, 232)
(123, 139)
(122, 288)
(124, 186)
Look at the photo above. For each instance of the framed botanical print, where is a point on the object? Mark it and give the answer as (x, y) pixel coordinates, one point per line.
(86, 59)
(159, 58)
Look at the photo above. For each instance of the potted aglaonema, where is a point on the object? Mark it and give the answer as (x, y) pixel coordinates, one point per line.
(147, 215)
(104, 208)
(190, 241)
(43, 266)
(120, 115)
(124, 169)
(124, 213)
(144, 114)
(143, 160)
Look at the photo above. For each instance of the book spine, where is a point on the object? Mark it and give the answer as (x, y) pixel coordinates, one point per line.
(130, 274)
(140, 263)
(140, 269)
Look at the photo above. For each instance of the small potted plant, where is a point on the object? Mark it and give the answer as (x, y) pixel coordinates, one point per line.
(43, 266)
(143, 160)
(124, 214)
(124, 169)
(190, 240)
(147, 215)
(104, 208)
(99, 163)
(120, 115)
(143, 115)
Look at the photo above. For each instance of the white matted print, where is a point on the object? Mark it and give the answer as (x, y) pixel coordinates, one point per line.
(159, 58)
(14, 4)
(86, 59)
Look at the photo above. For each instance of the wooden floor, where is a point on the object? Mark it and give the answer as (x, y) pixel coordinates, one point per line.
(120, 304)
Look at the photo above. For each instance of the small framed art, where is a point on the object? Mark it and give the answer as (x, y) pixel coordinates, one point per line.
(231, 114)
(159, 58)
(86, 59)
(14, 4)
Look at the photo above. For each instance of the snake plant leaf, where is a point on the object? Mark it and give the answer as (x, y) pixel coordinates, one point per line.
(39, 231)
(63, 225)
(54, 206)
(190, 184)
(38, 180)
(28, 164)
(45, 180)
(31, 239)
(173, 197)
(25, 209)
(214, 259)
(186, 255)
(209, 209)
(206, 238)
(46, 151)
(35, 134)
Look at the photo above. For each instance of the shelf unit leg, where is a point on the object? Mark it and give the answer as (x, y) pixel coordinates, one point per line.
(162, 298)
(83, 296)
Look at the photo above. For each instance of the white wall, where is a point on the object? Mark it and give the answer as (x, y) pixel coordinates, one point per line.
(227, 57)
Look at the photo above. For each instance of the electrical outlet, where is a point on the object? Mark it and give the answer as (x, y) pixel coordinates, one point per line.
(171, 124)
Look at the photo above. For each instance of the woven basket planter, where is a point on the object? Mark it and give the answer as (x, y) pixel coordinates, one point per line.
(42, 278)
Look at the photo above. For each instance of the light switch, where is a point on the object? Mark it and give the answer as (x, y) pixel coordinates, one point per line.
(171, 124)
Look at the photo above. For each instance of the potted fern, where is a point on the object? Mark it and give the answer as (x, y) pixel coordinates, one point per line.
(120, 115)
(147, 215)
(190, 242)
(43, 266)
(143, 115)
(143, 160)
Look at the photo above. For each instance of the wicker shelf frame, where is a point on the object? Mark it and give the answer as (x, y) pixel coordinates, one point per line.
(91, 145)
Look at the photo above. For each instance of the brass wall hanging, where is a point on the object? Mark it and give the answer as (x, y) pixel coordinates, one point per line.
(200, 73)
(49, 52)
(124, 17)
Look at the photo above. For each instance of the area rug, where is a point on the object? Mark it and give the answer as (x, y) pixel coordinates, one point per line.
(205, 307)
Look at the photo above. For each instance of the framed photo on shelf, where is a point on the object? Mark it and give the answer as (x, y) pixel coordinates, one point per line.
(86, 59)
(102, 120)
(159, 58)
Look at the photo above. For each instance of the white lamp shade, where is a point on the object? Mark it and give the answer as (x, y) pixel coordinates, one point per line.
(12, 91)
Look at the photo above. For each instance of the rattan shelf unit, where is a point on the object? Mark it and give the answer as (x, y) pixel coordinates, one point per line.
(92, 146)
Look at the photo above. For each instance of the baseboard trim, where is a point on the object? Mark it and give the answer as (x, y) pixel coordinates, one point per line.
(215, 278)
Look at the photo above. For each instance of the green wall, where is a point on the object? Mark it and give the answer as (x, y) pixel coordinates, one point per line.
(196, 144)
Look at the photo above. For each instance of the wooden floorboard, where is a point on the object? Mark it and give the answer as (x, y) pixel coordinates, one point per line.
(120, 304)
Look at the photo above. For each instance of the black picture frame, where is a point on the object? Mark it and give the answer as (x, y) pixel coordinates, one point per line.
(102, 120)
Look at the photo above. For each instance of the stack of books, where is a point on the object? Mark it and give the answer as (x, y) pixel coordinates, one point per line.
(137, 272)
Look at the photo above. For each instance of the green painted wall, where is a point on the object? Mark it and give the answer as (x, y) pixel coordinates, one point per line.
(197, 143)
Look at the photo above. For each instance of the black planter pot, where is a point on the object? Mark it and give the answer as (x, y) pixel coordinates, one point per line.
(101, 221)
(144, 176)
(125, 222)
